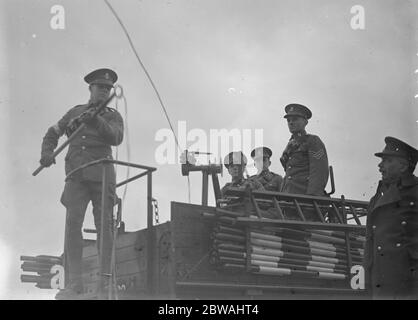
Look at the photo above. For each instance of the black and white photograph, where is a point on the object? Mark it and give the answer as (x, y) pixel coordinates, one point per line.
(209, 150)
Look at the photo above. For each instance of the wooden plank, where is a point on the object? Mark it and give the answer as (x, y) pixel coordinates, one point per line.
(301, 289)
(123, 240)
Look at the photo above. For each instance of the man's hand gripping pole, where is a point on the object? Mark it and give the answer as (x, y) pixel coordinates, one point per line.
(118, 93)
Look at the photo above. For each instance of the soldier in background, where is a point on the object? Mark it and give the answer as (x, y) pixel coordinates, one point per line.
(235, 163)
(93, 143)
(391, 251)
(270, 180)
(305, 158)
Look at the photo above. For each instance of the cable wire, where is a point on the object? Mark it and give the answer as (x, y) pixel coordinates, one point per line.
(150, 80)
(144, 69)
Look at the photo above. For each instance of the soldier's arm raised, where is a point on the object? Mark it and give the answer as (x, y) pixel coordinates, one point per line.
(110, 127)
(318, 166)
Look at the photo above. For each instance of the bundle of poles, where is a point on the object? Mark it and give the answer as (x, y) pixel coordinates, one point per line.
(282, 251)
(40, 267)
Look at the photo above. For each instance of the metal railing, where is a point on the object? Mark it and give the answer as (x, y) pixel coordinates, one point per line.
(150, 231)
(289, 211)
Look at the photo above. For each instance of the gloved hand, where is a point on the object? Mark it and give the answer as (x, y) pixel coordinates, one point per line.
(47, 160)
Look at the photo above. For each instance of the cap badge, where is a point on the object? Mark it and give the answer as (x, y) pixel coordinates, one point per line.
(107, 76)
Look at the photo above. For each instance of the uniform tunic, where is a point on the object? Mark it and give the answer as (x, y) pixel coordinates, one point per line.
(92, 143)
(242, 205)
(255, 185)
(269, 180)
(391, 250)
(305, 163)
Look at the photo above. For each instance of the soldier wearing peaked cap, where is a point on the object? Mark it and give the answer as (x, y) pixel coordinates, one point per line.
(305, 158)
(270, 180)
(94, 142)
(391, 250)
(236, 162)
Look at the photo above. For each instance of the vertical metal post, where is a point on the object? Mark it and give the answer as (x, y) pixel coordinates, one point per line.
(103, 221)
(216, 188)
(347, 239)
(150, 237)
(248, 249)
(205, 187)
(65, 259)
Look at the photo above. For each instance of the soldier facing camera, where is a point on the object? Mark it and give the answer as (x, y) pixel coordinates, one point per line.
(271, 181)
(93, 143)
(305, 159)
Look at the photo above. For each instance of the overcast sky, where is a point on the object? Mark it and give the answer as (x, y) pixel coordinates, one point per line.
(217, 65)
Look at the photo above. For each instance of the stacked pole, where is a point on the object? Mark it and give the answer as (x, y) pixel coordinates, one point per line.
(40, 269)
(282, 251)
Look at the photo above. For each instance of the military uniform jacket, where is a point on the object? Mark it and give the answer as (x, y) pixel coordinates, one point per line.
(305, 162)
(92, 143)
(391, 250)
(269, 180)
(255, 185)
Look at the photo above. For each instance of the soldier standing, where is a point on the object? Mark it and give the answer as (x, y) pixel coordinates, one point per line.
(305, 158)
(93, 143)
(391, 252)
(270, 180)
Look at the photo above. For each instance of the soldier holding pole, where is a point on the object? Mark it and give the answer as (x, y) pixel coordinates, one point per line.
(98, 133)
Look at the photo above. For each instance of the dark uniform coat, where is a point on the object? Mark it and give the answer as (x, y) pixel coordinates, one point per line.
(255, 185)
(242, 205)
(93, 143)
(391, 252)
(269, 180)
(305, 162)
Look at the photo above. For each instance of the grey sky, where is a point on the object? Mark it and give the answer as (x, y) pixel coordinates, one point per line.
(360, 86)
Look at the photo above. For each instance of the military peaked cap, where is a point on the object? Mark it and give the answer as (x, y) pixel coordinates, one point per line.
(261, 152)
(102, 76)
(398, 148)
(299, 110)
(236, 157)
